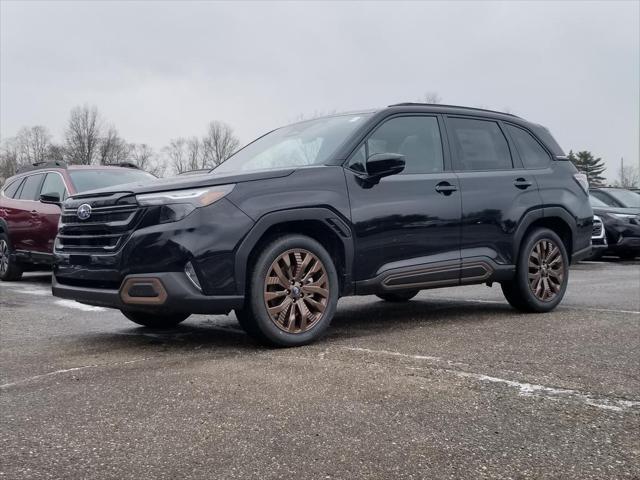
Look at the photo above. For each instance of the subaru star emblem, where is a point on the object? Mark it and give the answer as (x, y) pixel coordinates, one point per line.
(84, 211)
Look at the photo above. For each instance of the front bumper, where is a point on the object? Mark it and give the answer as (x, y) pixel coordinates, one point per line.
(177, 295)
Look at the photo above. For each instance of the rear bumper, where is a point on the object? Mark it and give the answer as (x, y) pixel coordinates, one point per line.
(177, 295)
(581, 254)
(626, 244)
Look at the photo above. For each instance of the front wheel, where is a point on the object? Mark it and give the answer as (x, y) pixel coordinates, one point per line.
(293, 293)
(542, 273)
(9, 268)
(152, 320)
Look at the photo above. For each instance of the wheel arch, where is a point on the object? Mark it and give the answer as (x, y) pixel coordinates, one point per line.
(322, 224)
(556, 219)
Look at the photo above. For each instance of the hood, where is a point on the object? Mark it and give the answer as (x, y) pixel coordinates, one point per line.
(604, 210)
(184, 182)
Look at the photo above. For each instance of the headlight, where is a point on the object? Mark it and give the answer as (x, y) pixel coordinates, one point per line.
(177, 204)
(198, 197)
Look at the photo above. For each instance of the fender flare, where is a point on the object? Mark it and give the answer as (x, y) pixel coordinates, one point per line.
(330, 218)
(541, 213)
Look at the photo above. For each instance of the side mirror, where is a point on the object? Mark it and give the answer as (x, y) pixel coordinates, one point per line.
(51, 197)
(384, 164)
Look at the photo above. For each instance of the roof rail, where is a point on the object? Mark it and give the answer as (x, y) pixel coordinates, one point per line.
(41, 165)
(418, 104)
(122, 164)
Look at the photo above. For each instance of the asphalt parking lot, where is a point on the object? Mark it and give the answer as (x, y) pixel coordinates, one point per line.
(454, 384)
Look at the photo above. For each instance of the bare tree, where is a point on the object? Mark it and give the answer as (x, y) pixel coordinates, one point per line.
(112, 148)
(628, 176)
(185, 154)
(82, 137)
(218, 144)
(195, 154)
(432, 97)
(176, 155)
(29, 146)
(33, 143)
(143, 156)
(9, 158)
(56, 153)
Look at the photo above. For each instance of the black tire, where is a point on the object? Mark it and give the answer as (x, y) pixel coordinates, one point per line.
(628, 255)
(255, 318)
(397, 297)
(153, 320)
(10, 270)
(518, 291)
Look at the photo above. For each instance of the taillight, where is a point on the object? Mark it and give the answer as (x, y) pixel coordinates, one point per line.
(582, 180)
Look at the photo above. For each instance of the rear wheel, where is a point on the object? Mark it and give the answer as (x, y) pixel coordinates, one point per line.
(542, 273)
(9, 268)
(402, 296)
(153, 320)
(293, 293)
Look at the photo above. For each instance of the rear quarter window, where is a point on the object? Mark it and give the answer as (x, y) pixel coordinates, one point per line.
(31, 187)
(533, 155)
(11, 189)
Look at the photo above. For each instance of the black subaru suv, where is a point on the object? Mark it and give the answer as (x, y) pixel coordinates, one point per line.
(385, 202)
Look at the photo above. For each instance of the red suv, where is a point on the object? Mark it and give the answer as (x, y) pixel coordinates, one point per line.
(30, 209)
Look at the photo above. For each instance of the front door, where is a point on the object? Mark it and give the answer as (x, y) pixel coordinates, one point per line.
(407, 227)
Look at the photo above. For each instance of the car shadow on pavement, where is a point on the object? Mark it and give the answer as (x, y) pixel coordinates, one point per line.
(374, 317)
(367, 318)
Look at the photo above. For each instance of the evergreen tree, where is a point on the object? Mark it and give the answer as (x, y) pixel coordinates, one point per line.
(592, 167)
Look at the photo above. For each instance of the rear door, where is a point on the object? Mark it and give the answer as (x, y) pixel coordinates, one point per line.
(496, 192)
(24, 212)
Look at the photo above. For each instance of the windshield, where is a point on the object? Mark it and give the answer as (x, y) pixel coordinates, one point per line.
(626, 197)
(596, 202)
(306, 143)
(85, 180)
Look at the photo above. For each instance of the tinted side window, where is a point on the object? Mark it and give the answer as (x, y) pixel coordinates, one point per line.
(417, 138)
(31, 187)
(531, 152)
(606, 198)
(480, 145)
(10, 191)
(53, 184)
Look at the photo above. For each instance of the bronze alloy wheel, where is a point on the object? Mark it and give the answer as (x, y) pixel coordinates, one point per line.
(4, 257)
(296, 290)
(546, 270)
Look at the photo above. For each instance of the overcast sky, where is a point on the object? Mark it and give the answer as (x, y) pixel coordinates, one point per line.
(159, 70)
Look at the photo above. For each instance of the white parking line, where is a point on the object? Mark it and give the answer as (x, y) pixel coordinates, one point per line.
(524, 389)
(78, 306)
(29, 290)
(503, 302)
(66, 370)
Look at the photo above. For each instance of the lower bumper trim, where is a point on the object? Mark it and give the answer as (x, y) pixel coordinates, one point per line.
(181, 296)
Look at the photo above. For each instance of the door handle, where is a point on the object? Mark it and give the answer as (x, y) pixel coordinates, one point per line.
(445, 188)
(522, 183)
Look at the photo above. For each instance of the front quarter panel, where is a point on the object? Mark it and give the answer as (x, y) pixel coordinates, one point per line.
(306, 187)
